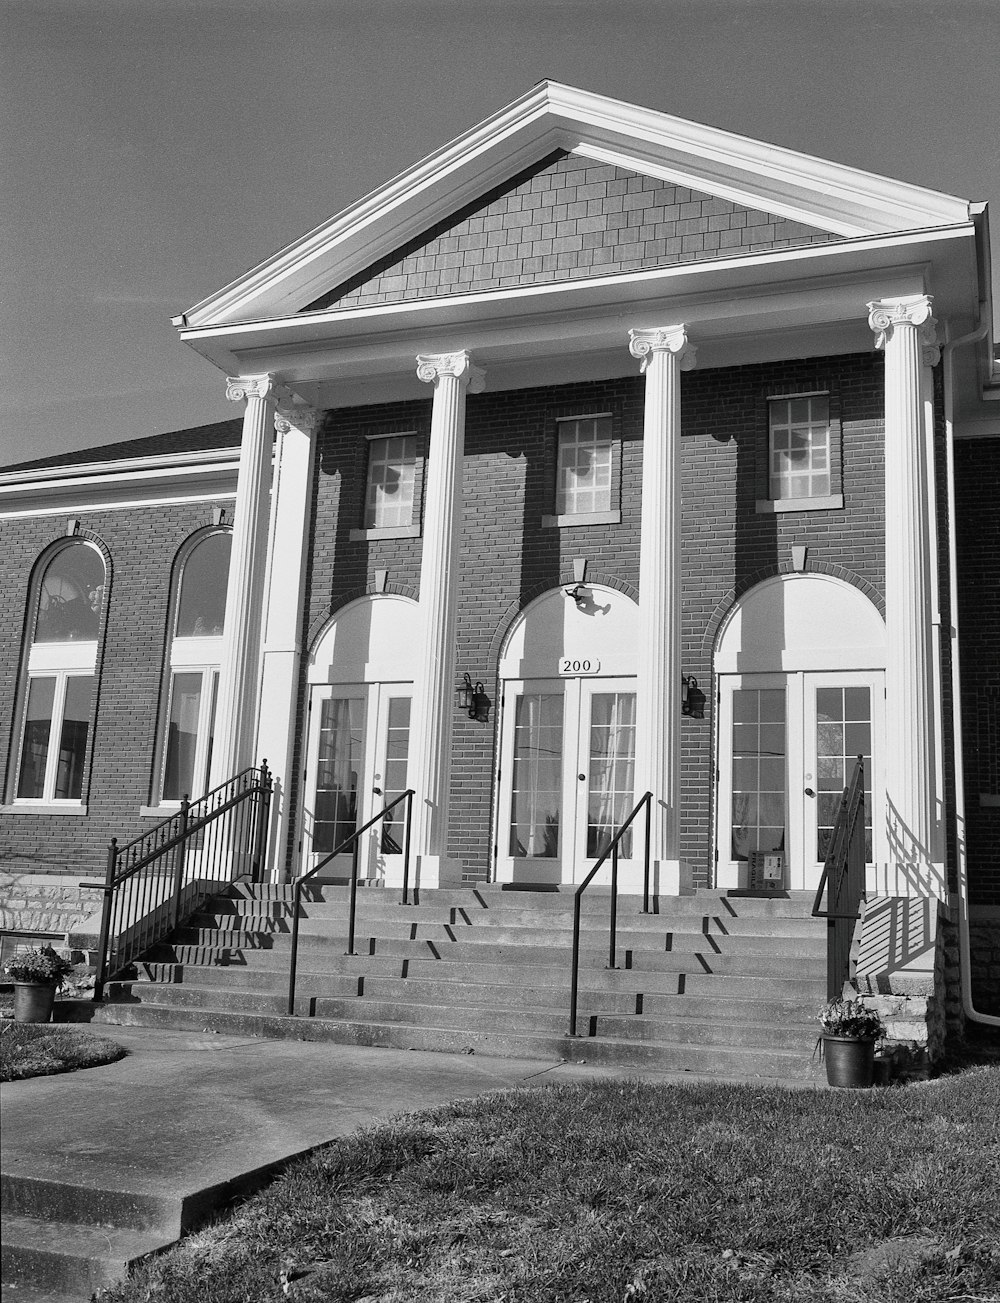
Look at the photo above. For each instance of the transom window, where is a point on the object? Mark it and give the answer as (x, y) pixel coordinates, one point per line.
(799, 446)
(392, 466)
(584, 465)
(62, 663)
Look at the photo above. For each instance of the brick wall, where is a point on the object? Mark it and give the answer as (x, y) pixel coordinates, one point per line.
(567, 218)
(142, 544)
(511, 557)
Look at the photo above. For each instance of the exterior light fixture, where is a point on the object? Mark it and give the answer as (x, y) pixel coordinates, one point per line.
(579, 595)
(692, 697)
(473, 699)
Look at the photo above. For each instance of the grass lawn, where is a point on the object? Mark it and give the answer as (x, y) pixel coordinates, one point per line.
(627, 1192)
(38, 1049)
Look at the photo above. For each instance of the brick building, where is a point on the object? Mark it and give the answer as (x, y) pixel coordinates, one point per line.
(683, 448)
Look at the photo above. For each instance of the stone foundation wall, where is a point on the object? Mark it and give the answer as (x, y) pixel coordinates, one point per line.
(44, 902)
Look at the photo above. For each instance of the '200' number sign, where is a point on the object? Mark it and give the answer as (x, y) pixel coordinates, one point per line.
(579, 665)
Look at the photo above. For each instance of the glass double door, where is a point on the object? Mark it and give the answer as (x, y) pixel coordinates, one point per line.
(566, 776)
(359, 741)
(787, 748)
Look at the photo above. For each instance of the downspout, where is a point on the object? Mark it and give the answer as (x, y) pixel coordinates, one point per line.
(965, 967)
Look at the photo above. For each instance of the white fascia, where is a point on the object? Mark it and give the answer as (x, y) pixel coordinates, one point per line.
(552, 116)
(201, 476)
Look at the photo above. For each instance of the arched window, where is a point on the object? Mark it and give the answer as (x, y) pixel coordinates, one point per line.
(62, 661)
(198, 620)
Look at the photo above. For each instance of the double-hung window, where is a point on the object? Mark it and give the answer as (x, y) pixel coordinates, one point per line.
(61, 670)
(391, 488)
(803, 463)
(195, 653)
(586, 472)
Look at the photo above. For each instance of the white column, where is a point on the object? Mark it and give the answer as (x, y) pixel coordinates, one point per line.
(906, 333)
(284, 605)
(238, 677)
(665, 353)
(452, 374)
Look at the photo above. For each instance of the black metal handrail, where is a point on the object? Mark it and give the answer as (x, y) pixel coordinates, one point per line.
(612, 850)
(148, 891)
(352, 843)
(843, 879)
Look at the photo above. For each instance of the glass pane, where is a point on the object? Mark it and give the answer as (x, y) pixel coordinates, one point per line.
(182, 736)
(536, 794)
(759, 775)
(838, 744)
(73, 738)
(201, 611)
(69, 608)
(35, 746)
(612, 771)
(391, 478)
(397, 745)
(583, 476)
(338, 771)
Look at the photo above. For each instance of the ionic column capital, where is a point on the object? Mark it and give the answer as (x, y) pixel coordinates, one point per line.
(886, 316)
(240, 387)
(645, 344)
(295, 416)
(432, 367)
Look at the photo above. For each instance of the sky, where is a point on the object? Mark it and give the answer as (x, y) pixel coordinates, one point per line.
(154, 150)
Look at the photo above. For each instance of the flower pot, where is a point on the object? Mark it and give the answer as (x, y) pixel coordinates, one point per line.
(850, 1060)
(33, 1001)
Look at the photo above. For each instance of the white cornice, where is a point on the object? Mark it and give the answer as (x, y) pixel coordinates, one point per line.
(203, 476)
(843, 200)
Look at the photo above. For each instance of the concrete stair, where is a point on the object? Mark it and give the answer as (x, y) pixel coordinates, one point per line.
(711, 983)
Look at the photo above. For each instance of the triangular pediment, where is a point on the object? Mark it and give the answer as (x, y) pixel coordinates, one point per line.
(556, 133)
(568, 217)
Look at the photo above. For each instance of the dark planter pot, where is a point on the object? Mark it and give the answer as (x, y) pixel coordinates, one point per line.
(33, 1001)
(850, 1061)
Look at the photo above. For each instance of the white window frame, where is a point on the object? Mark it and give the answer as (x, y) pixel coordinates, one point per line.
(572, 432)
(779, 421)
(61, 662)
(372, 527)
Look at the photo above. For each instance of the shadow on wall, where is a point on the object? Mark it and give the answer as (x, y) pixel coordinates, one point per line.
(898, 944)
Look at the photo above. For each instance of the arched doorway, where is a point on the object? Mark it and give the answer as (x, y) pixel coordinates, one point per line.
(801, 678)
(360, 682)
(567, 735)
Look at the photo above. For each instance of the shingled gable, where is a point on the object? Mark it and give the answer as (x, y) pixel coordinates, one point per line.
(570, 216)
(670, 154)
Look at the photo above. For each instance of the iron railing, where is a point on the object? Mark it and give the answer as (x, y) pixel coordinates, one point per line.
(159, 879)
(352, 844)
(843, 879)
(645, 802)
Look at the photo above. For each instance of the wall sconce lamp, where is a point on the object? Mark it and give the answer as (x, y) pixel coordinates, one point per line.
(472, 698)
(692, 697)
(579, 594)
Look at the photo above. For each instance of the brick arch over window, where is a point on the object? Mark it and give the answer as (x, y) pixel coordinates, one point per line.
(62, 680)
(736, 594)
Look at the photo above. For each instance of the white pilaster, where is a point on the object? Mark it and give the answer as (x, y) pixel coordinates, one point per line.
(665, 353)
(452, 374)
(907, 335)
(283, 604)
(238, 676)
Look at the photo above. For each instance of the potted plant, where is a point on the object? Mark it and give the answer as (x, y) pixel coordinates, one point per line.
(847, 1045)
(37, 975)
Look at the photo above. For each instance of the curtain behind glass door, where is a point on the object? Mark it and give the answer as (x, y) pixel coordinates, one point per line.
(612, 771)
(536, 795)
(338, 771)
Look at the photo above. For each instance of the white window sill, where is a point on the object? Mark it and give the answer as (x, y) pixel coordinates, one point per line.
(44, 807)
(159, 811)
(768, 506)
(389, 531)
(582, 518)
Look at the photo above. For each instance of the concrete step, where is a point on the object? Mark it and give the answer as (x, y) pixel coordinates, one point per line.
(34, 1197)
(69, 1257)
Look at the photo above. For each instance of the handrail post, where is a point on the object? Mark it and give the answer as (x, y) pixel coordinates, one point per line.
(406, 847)
(180, 854)
(260, 831)
(296, 906)
(648, 798)
(354, 893)
(575, 975)
(105, 935)
(614, 903)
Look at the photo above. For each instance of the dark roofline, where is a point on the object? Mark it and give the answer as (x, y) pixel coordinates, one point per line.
(201, 438)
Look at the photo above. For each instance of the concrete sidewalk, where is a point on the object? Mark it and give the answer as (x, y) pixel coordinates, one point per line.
(147, 1146)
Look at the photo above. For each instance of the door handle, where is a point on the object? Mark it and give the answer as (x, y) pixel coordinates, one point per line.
(810, 792)
(582, 777)
(377, 791)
